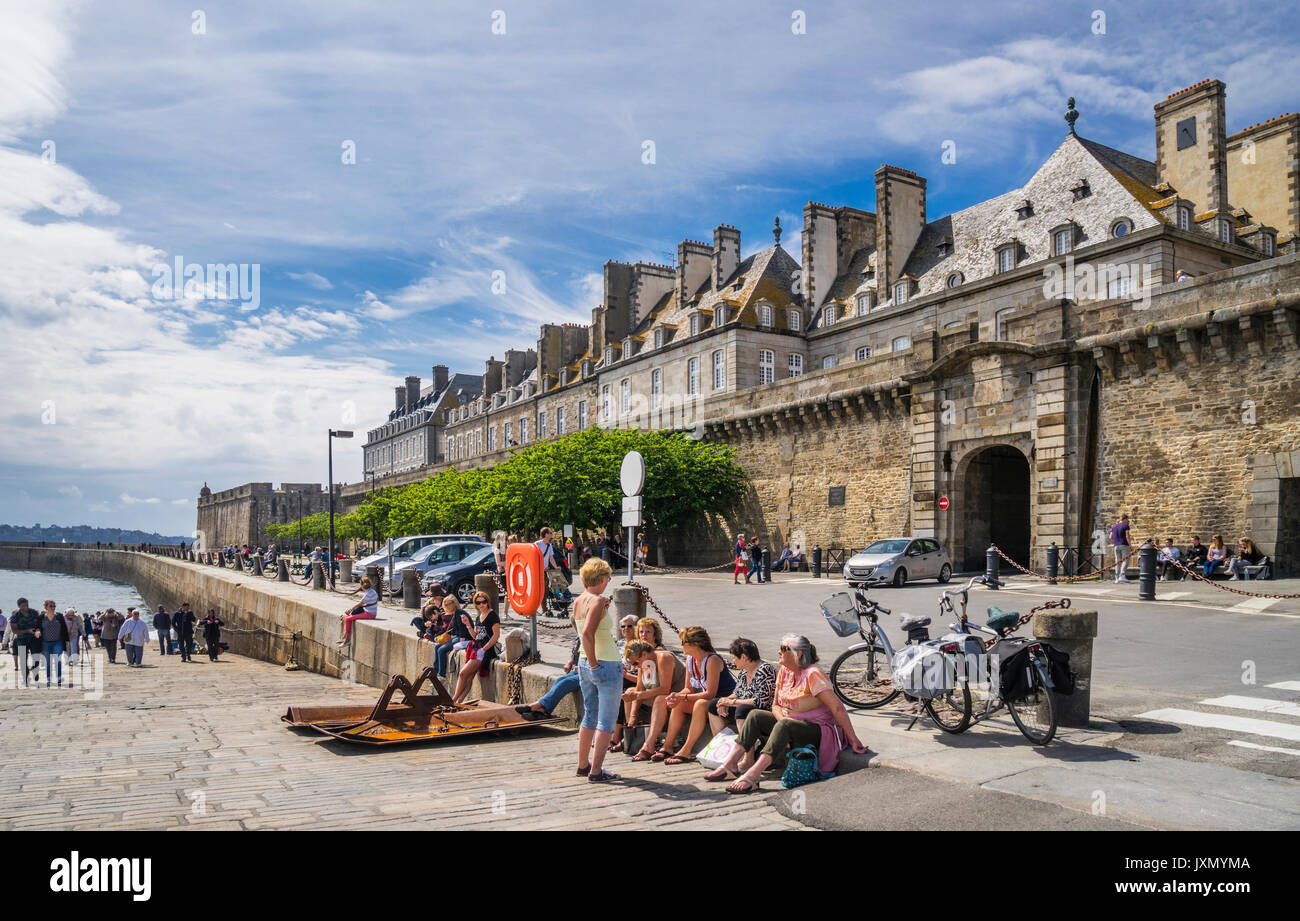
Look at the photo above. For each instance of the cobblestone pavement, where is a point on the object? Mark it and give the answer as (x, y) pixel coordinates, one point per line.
(191, 746)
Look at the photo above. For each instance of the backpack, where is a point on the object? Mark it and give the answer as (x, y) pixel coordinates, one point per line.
(802, 768)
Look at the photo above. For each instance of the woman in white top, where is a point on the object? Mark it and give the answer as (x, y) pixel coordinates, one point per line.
(366, 610)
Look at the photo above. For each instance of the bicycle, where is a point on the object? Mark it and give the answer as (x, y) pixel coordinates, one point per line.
(1033, 709)
(862, 676)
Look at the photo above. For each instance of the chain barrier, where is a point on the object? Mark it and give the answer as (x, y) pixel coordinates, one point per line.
(515, 676)
(1228, 588)
(645, 593)
(672, 571)
(1026, 618)
(1087, 577)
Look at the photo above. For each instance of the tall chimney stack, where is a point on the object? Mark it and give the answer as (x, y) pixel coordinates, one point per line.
(412, 391)
(439, 378)
(401, 398)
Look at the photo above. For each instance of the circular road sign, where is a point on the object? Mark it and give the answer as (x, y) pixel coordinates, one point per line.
(943, 503)
(632, 474)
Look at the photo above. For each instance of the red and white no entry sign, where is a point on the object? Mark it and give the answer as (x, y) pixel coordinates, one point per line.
(943, 503)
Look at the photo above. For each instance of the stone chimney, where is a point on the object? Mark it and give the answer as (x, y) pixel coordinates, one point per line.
(694, 262)
(492, 372)
(1191, 144)
(412, 390)
(518, 364)
(830, 238)
(439, 378)
(726, 253)
(401, 399)
(900, 218)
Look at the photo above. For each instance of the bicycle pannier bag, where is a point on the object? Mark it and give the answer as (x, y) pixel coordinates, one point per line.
(840, 614)
(972, 663)
(1058, 666)
(923, 671)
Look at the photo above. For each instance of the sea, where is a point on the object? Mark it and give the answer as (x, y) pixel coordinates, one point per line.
(80, 592)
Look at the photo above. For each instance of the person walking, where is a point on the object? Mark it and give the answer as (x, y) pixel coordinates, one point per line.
(24, 636)
(212, 625)
(183, 623)
(755, 560)
(135, 636)
(162, 622)
(642, 551)
(741, 553)
(600, 671)
(111, 631)
(1119, 539)
(76, 633)
(54, 638)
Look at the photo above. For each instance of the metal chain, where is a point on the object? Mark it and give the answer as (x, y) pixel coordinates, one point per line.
(1083, 578)
(645, 593)
(1227, 588)
(673, 571)
(1026, 618)
(515, 676)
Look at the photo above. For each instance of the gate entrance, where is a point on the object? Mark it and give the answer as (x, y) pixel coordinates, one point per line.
(996, 493)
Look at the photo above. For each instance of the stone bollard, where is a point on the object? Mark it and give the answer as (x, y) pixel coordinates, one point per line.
(486, 582)
(1071, 632)
(283, 570)
(1146, 572)
(991, 568)
(257, 565)
(411, 588)
(627, 600)
(345, 570)
(318, 574)
(239, 562)
(221, 560)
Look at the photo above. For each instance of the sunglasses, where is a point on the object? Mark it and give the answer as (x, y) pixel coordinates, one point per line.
(482, 601)
(628, 626)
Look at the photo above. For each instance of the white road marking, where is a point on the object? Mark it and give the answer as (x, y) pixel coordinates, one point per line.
(1254, 605)
(1265, 748)
(1258, 704)
(1231, 723)
(1285, 685)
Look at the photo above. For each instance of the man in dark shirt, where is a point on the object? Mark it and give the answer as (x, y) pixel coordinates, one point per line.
(1119, 540)
(162, 622)
(183, 623)
(26, 625)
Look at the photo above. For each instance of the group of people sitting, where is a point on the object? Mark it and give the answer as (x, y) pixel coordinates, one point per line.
(633, 681)
(1209, 559)
(475, 630)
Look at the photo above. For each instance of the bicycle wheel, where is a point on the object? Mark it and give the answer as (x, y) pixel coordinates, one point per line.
(1035, 714)
(862, 678)
(951, 711)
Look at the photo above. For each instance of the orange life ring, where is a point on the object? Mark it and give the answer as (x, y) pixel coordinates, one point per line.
(525, 579)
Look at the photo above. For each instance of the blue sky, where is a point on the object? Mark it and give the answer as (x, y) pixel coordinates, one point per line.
(130, 136)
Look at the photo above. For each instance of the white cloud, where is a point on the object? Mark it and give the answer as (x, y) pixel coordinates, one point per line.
(72, 492)
(319, 282)
(132, 500)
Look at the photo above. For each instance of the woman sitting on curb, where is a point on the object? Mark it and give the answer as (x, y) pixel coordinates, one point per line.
(640, 702)
(805, 711)
(482, 650)
(754, 687)
(366, 609)
(708, 677)
(460, 635)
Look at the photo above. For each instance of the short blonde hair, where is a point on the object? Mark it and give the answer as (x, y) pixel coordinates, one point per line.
(654, 626)
(594, 572)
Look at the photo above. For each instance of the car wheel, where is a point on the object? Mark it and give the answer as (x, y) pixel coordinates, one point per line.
(945, 573)
(900, 578)
(465, 591)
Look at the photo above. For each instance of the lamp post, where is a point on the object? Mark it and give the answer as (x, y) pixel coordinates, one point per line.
(329, 566)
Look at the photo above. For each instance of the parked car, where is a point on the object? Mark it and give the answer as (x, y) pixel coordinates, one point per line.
(436, 555)
(458, 577)
(897, 560)
(404, 548)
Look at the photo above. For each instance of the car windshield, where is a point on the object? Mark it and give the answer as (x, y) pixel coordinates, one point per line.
(887, 546)
(478, 556)
(424, 553)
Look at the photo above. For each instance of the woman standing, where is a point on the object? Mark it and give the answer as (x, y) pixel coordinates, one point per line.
(74, 629)
(600, 672)
(54, 637)
(482, 650)
(741, 553)
(212, 625)
(499, 545)
(642, 551)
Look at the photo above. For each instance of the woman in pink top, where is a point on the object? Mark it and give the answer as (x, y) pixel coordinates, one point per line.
(805, 711)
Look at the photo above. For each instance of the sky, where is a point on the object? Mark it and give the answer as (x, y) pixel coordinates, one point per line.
(376, 168)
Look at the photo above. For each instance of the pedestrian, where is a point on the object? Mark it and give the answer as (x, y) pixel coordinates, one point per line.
(481, 651)
(561, 688)
(461, 635)
(212, 634)
(54, 638)
(183, 623)
(24, 637)
(135, 636)
(1119, 540)
(755, 559)
(366, 609)
(162, 622)
(741, 553)
(600, 671)
(75, 629)
(110, 631)
(499, 545)
(642, 551)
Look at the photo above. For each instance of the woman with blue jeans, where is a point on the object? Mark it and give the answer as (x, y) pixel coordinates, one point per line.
(52, 629)
(460, 635)
(600, 671)
(561, 688)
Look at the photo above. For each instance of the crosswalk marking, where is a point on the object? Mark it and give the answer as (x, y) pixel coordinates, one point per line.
(1259, 704)
(1265, 748)
(1286, 685)
(1223, 721)
(1253, 605)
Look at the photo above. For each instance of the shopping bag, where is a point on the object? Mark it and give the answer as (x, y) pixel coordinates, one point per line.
(720, 749)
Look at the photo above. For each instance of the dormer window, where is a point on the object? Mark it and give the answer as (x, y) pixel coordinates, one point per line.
(794, 319)
(659, 338)
(1184, 218)
(866, 303)
(1063, 239)
(1270, 245)
(609, 356)
(830, 317)
(764, 315)
(1007, 257)
(901, 290)
(944, 247)
(1225, 230)
(629, 348)
(1024, 210)
(695, 324)
(1081, 190)
(586, 367)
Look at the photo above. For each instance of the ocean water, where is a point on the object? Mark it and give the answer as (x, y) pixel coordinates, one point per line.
(80, 592)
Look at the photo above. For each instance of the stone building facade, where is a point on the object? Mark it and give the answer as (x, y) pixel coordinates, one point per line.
(241, 515)
(1116, 335)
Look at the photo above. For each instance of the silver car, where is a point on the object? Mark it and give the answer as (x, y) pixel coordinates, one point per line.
(897, 560)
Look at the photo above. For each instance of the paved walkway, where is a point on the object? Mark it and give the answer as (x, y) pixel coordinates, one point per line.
(177, 746)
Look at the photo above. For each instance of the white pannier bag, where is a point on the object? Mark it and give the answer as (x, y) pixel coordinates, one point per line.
(923, 671)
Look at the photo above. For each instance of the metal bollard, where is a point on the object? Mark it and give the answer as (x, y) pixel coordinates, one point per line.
(221, 560)
(817, 562)
(1053, 562)
(1146, 572)
(318, 574)
(767, 565)
(411, 588)
(283, 574)
(991, 567)
(1071, 632)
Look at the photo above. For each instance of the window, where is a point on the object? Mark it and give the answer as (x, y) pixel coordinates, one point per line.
(605, 408)
(830, 315)
(863, 353)
(541, 424)
(1007, 258)
(1121, 227)
(625, 397)
(478, 442)
(659, 338)
(865, 303)
(955, 279)
(460, 446)
(1062, 241)
(492, 438)
(523, 431)
(559, 420)
(719, 370)
(609, 355)
(794, 319)
(828, 362)
(766, 366)
(796, 365)
(582, 415)
(1225, 231)
(1119, 287)
(1268, 245)
(656, 388)
(1184, 218)
(1000, 323)
(1081, 190)
(693, 376)
(507, 435)
(900, 343)
(695, 324)
(764, 315)
(900, 293)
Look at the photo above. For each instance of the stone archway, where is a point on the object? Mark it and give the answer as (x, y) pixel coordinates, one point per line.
(996, 506)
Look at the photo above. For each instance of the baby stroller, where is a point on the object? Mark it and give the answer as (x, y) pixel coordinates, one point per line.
(558, 597)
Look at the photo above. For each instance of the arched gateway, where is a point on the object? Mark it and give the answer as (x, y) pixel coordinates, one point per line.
(996, 500)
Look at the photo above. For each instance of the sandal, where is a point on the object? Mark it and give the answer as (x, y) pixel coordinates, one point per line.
(615, 746)
(603, 777)
(660, 756)
(680, 759)
(752, 787)
(642, 755)
(714, 777)
(582, 772)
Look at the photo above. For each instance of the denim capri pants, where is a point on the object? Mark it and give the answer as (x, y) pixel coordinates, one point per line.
(602, 691)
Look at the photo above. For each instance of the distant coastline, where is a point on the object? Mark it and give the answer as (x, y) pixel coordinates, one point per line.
(83, 534)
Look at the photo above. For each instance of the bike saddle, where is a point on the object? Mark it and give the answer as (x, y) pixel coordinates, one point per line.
(1001, 620)
(912, 621)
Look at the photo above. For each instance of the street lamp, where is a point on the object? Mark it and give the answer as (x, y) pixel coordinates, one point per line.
(329, 567)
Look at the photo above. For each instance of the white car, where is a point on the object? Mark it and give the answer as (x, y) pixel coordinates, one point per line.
(404, 548)
(437, 555)
(897, 560)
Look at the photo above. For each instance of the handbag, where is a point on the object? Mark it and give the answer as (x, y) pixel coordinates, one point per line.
(443, 638)
(802, 768)
(719, 749)
(634, 738)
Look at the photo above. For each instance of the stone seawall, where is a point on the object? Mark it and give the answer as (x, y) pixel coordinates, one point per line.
(273, 621)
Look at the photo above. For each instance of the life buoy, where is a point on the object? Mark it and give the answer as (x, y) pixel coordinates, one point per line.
(525, 578)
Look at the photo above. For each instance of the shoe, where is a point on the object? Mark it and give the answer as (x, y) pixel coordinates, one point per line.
(603, 777)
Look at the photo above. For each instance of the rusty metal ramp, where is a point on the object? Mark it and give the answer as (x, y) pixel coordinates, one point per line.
(417, 718)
